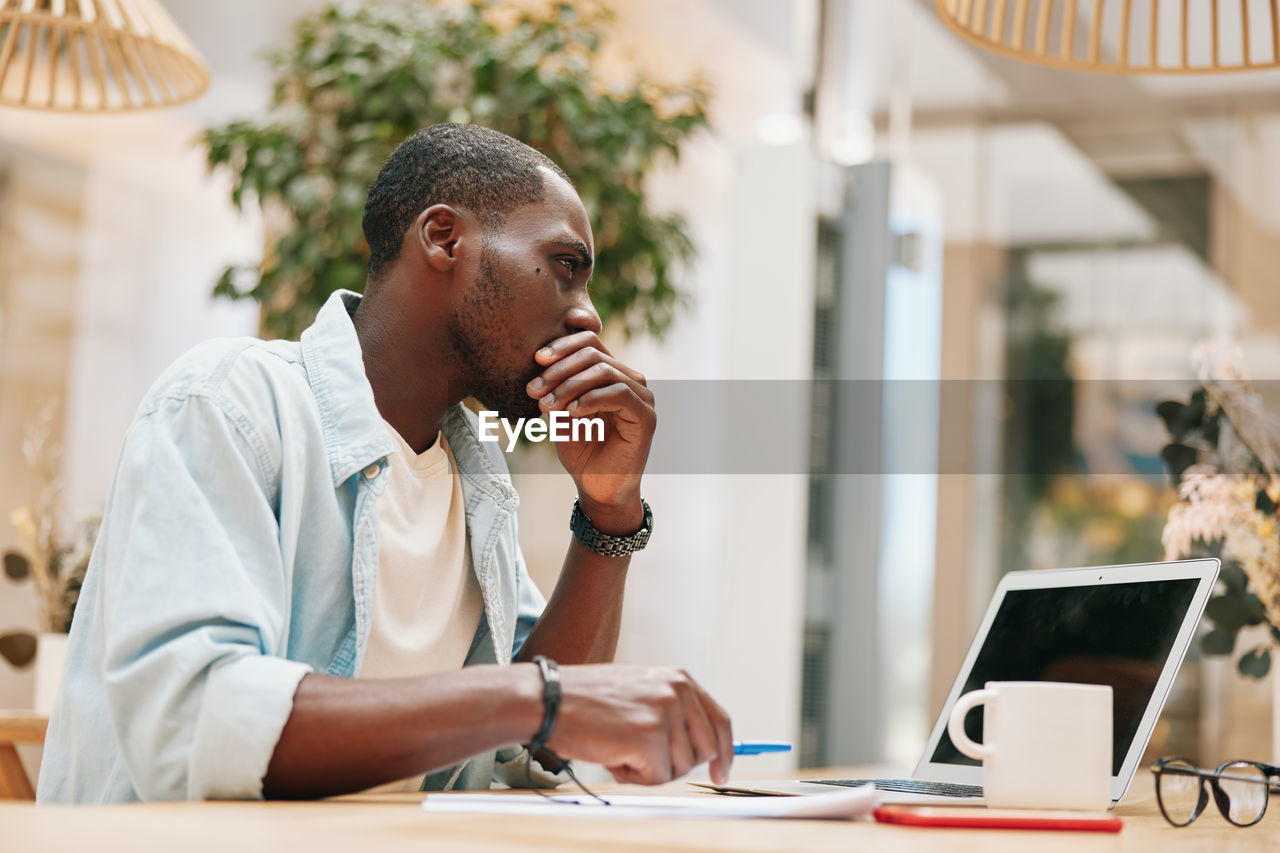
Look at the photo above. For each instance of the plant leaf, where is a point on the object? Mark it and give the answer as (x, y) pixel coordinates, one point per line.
(1256, 610)
(1170, 411)
(1255, 663)
(16, 566)
(1229, 612)
(1178, 458)
(1233, 577)
(18, 647)
(1218, 642)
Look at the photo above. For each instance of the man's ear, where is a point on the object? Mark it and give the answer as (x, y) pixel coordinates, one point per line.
(437, 231)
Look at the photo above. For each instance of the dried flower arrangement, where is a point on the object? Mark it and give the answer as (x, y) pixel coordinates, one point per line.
(56, 554)
(1224, 457)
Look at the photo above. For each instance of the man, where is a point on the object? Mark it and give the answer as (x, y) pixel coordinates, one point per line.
(308, 580)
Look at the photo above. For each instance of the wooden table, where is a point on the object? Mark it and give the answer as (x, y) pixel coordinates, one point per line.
(392, 822)
(18, 727)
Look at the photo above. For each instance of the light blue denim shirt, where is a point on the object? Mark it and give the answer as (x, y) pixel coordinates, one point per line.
(238, 552)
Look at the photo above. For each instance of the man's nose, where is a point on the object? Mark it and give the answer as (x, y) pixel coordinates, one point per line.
(583, 317)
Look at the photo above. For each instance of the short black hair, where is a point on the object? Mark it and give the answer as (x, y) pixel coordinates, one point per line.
(472, 168)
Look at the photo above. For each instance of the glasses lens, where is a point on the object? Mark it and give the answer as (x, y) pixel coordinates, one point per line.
(1179, 790)
(1246, 789)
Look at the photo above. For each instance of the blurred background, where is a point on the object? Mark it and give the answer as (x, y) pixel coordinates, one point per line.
(1011, 264)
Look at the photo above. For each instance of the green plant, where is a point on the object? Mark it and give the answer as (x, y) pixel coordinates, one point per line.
(359, 77)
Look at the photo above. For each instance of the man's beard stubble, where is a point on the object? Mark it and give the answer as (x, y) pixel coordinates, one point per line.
(479, 331)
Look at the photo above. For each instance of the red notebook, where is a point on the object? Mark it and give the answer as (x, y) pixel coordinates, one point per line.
(975, 818)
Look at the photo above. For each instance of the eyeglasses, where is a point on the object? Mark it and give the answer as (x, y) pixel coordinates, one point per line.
(1240, 790)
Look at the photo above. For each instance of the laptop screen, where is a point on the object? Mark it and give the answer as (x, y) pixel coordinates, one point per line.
(1117, 634)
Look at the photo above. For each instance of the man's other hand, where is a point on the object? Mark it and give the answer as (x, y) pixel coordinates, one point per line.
(646, 725)
(581, 377)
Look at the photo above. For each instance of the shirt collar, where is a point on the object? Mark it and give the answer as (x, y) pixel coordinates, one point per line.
(354, 434)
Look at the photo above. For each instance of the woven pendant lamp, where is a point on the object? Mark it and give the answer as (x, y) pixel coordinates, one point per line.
(1124, 36)
(95, 56)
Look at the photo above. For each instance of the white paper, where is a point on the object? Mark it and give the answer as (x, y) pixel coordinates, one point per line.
(845, 805)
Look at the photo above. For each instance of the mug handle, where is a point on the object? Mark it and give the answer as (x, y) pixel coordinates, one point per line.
(955, 724)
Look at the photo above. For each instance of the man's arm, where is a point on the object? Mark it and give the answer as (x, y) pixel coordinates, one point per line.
(188, 604)
(645, 724)
(347, 735)
(580, 623)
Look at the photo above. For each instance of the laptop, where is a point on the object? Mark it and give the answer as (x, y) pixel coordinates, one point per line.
(1126, 626)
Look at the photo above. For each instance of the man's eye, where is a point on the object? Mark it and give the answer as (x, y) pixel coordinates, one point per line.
(571, 264)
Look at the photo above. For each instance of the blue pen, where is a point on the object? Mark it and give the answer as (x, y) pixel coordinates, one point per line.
(759, 747)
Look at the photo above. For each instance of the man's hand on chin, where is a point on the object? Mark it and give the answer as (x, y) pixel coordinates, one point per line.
(581, 377)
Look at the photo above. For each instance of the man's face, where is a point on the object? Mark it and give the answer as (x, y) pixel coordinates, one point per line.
(529, 289)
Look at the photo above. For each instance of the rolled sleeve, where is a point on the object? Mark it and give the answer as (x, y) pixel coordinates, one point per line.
(195, 605)
(246, 704)
(515, 768)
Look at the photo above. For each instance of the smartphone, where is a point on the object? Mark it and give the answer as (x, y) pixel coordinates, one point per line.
(977, 818)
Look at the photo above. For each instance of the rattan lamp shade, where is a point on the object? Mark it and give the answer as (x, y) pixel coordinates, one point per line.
(95, 56)
(1124, 36)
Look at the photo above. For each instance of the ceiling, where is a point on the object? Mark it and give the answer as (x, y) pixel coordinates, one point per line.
(1027, 90)
(950, 80)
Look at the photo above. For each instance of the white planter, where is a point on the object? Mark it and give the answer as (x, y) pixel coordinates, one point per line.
(1275, 705)
(51, 653)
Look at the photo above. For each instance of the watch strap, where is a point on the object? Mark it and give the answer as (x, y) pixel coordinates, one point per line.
(550, 700)
(606, 544)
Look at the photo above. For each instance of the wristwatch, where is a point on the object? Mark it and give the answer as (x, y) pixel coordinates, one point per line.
(603, 543)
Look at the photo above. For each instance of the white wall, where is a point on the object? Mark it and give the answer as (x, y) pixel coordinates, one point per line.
(159, 232)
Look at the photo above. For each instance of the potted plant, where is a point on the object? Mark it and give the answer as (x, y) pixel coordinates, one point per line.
(360, 77)
(55, 560)
(1224, 457)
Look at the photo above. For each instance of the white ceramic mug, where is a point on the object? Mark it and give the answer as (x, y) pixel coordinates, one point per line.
(1045, 744)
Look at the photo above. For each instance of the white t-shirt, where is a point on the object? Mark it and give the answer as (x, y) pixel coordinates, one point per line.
(426, 601)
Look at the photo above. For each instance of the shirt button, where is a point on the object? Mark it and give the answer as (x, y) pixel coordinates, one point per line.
(372, 471)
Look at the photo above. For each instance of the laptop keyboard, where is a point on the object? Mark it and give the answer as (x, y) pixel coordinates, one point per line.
(909, 786)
